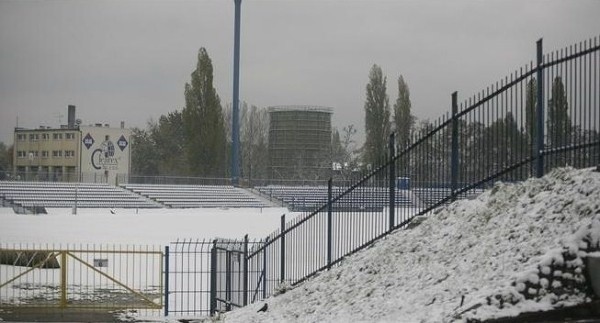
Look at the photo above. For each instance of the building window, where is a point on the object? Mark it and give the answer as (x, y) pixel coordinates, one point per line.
(70, 136)
(21, 154)
(34, 137)
(56, 153)
(33, 154)
(44, 154)
(57, 136)
(21, 137)
(69, 153)
(45, 136)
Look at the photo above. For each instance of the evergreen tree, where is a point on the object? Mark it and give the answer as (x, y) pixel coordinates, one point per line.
(502, 144)
(530, 114)
(403, 119)
(559, 123)
(377, 118)
(203, 122)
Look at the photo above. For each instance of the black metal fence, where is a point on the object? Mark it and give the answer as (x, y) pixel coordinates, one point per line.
(542, 116)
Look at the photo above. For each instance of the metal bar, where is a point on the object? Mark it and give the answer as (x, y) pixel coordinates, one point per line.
(392, 184)
(166, 311)
(282, 247)
(245, 282)
(265, 269)
(213, 278)
(63, 279)
(228, 279)
(454, 156)
(540, 112)
(329, 218)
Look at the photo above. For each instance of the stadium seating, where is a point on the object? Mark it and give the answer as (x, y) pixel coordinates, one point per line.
(60, 195)
(198, 196)
(309, 198)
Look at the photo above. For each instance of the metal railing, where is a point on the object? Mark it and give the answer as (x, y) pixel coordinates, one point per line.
(542, 116)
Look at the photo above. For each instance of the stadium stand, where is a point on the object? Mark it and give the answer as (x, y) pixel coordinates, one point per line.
(197, 196)
(309, 198)
(60, 195)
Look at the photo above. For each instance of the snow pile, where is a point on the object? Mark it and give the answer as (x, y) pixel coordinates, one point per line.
(516, 248)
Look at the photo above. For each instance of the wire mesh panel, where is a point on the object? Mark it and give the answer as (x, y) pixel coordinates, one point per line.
(228, 274)
(189, 277)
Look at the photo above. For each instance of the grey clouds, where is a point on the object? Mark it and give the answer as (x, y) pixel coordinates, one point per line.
(129, 60)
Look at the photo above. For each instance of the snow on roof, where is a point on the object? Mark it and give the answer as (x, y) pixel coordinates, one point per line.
(459, 262)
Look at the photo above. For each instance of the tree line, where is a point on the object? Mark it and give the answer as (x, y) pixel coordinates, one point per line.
(196, 140)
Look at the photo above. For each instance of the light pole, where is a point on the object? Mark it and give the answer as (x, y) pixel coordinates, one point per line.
(235, 163)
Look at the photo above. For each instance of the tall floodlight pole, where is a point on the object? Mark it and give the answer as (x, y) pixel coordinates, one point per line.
(235, 133)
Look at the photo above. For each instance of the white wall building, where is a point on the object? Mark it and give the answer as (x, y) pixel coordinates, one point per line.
(95, 153)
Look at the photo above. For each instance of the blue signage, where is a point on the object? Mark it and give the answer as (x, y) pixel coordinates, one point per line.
(88, 141)
(122, 143)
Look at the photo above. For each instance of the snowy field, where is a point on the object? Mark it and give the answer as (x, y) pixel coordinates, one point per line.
(139, 227)
(107, 232)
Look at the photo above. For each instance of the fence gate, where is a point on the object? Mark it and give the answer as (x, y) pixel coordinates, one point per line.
(206, 277)
(228, 275)
(93, 277)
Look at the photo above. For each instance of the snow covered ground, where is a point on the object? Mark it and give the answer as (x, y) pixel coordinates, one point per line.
(516, 248)
(128, 226)
(103, 231)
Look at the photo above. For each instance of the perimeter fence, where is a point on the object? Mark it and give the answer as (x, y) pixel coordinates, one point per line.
(542, 116)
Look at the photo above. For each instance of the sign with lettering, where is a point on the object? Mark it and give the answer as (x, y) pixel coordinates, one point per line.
(122, 143)
(104, 157)
(101, 262)
(88, 141)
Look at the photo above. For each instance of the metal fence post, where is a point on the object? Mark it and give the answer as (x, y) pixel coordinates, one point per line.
(454, 156)
(166, 281)
(392, 183)
(245, 298)
(63, 279)
(228, 280)
(539, 112)
(213, 279)
(329, 221)
(265, 268)
(282, 260)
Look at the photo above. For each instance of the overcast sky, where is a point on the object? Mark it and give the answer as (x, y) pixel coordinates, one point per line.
(129, 60)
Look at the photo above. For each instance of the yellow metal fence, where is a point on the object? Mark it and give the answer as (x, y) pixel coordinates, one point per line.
(106, 277)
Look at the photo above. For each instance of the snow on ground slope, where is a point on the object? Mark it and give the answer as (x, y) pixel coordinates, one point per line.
(516, 248)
